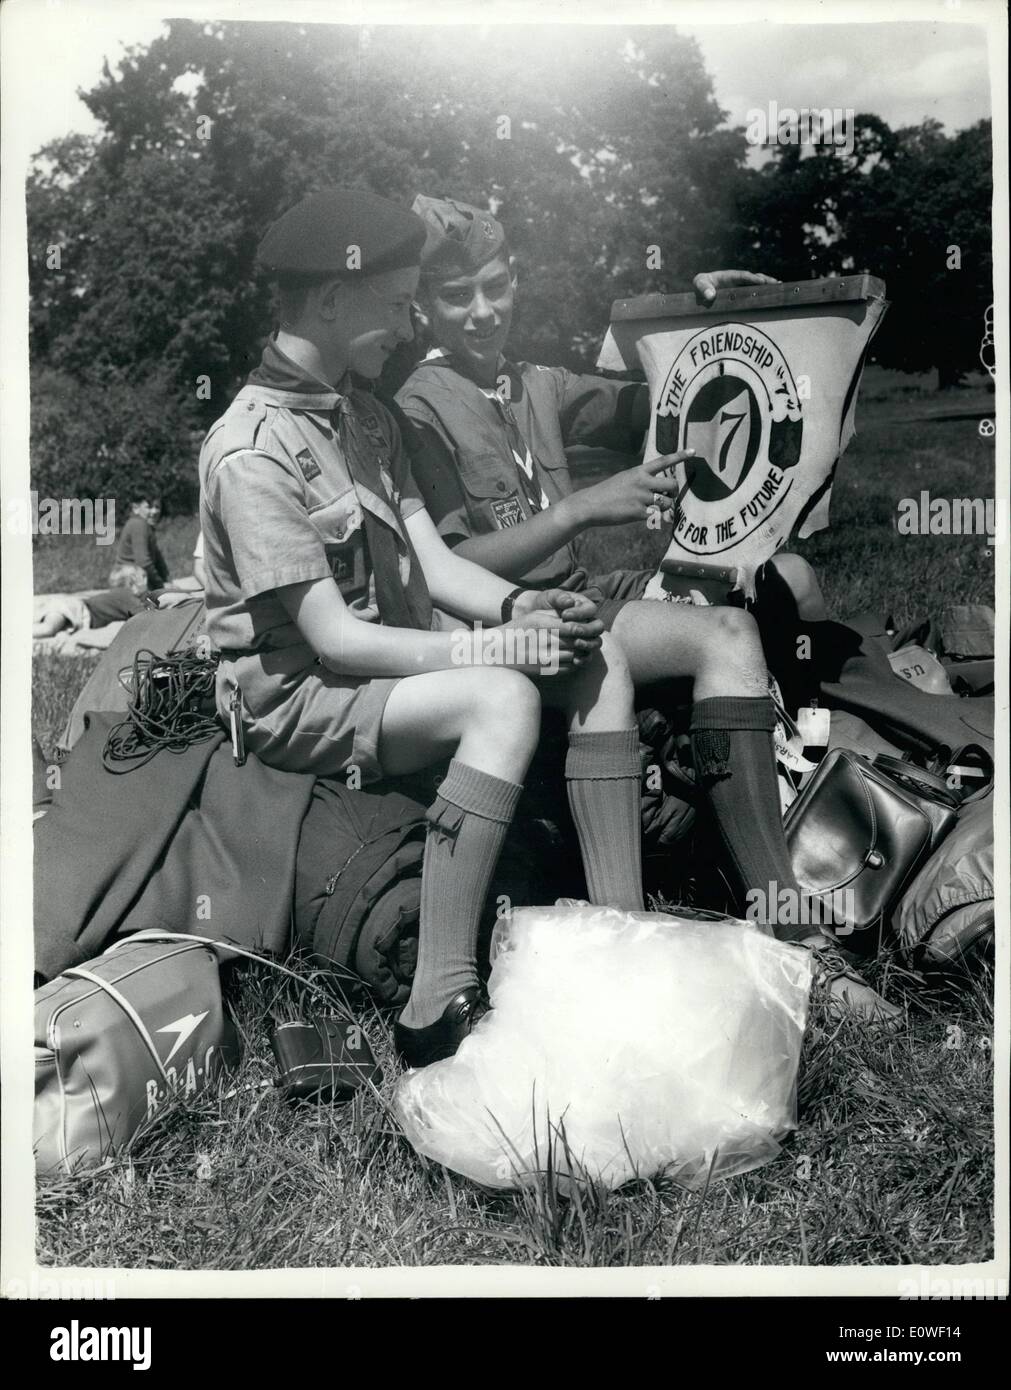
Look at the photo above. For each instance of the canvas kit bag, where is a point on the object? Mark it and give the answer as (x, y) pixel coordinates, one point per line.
(115, 1038)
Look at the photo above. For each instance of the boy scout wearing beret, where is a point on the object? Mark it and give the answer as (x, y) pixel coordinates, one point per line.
(323, 570)
(488, 452)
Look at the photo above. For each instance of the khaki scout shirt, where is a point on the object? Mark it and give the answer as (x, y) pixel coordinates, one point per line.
(461, 455)
(278, 507)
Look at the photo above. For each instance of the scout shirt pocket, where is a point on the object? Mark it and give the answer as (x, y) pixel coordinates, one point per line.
(339, 523)
(492, 491)
(554, 474)
(494, 502)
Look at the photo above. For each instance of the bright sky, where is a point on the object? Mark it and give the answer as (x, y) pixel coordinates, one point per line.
(901, 71)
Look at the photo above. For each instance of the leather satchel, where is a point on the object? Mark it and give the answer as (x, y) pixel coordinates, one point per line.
(858, 833)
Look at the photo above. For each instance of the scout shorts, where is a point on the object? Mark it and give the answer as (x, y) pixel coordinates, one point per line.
(610, 592)
(301, 717)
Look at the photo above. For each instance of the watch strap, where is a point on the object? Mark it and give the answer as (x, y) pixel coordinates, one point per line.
(507, 604)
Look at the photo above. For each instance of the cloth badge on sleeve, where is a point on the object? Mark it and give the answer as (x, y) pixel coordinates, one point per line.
(508, 512)
(310, 468)
(347, 565)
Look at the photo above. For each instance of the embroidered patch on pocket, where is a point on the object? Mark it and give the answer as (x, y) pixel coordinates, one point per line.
(310, 468)
(508, 512)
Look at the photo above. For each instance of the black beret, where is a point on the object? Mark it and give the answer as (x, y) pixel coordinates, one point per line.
(342, 232)
(460, 237)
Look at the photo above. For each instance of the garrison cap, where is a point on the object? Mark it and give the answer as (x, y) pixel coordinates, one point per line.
(317, 236)
(460, 238)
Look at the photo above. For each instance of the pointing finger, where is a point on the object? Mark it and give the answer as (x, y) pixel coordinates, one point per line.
(664, 461)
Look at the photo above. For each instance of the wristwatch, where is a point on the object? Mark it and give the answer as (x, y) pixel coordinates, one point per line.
(507, 604)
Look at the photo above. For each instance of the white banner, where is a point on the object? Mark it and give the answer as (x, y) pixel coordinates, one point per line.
(763, 387)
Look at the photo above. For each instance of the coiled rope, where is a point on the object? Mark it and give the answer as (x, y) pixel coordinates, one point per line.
(168, 708)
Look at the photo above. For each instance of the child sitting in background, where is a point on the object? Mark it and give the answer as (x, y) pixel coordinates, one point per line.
(138, 546)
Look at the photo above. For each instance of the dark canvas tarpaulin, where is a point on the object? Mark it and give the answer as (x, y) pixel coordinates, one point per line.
(188, 842)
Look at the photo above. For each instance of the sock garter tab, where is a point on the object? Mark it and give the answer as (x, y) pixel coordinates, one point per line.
(477, 793)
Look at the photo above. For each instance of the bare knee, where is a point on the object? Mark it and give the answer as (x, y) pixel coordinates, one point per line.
(792, 569)
(601, 695)
(801, 580)
(613, 656)
(733, 662)
(506, 705)
(609, 667)
(734, 630)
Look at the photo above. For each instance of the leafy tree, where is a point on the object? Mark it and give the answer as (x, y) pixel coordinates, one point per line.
(600, 147)
(61, 195)
(924, 220)
(593, 146)
(123, 441)
(912, 206)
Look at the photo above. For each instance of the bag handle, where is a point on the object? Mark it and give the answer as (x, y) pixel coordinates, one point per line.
(152, 934)
(915, 779)
(971, 754)
(80, 973)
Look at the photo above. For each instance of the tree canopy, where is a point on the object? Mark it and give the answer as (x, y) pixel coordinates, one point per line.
(602, 149)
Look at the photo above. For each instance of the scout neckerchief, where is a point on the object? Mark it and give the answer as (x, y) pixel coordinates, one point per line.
(526, 468)
(401, 602)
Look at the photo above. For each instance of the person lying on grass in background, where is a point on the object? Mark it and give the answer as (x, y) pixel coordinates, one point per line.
(81, 614)
(337, 607)
(487, 438)
(69, 623)
(137, 545)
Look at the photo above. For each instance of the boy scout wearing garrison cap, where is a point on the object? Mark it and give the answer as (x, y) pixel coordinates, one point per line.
(488, 453)
(321, 571)
(459, 238)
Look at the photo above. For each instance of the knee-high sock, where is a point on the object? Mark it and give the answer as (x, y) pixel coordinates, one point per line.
(731, 739)
(467, 824)
(603, 774)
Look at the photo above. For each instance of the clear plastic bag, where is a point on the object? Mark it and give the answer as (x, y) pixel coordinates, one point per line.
(622, 1045)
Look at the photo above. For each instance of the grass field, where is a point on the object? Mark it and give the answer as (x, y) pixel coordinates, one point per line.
(892, 1160)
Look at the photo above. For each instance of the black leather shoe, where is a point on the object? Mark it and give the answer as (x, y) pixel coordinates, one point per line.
(420, 1046)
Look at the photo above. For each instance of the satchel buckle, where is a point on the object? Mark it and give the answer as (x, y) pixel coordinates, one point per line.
(874, 859)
